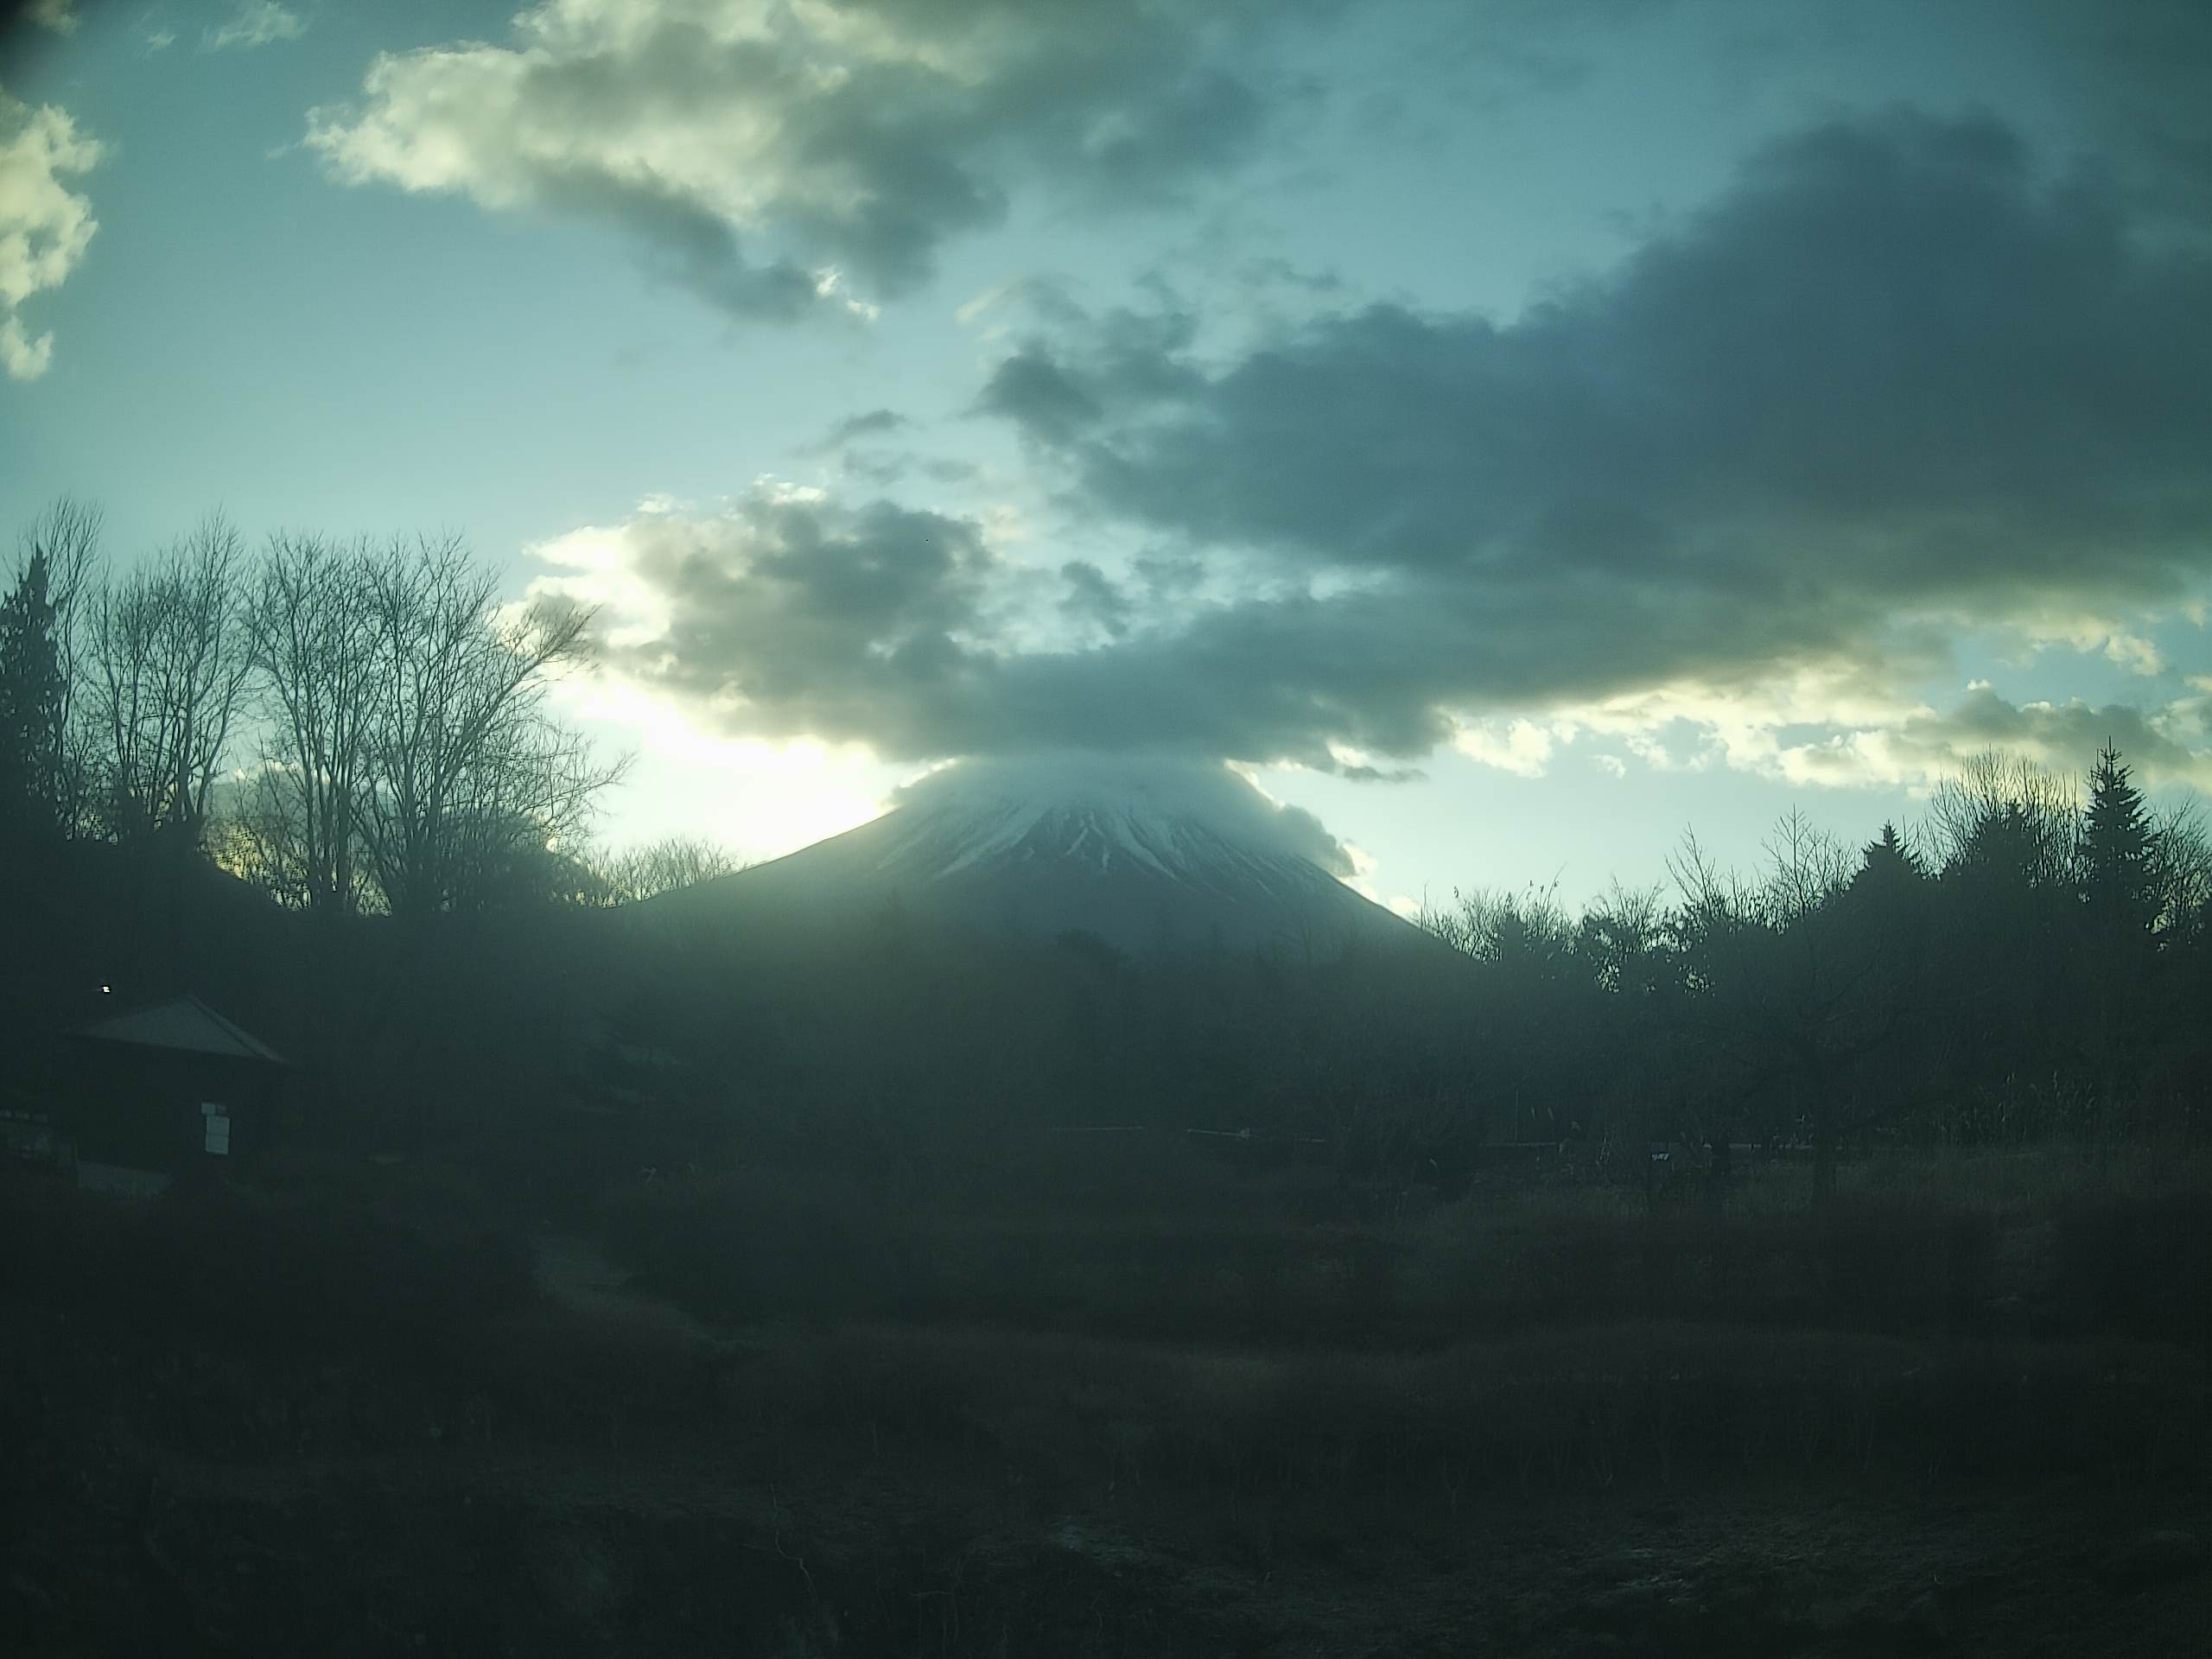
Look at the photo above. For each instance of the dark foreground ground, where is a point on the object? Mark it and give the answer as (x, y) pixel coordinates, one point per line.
(222, 1434)
(670, 1552)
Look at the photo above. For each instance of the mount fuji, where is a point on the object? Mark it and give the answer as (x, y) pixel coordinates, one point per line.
(1142, 857)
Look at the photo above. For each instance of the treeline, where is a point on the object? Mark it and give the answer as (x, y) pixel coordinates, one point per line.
(2032, 960)
(352, 726)
(2023, 966)
(362, 728)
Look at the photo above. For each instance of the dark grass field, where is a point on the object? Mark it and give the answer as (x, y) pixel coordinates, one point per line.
(1964, 1408)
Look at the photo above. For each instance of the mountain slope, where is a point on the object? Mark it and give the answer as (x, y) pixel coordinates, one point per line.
(1141, 864)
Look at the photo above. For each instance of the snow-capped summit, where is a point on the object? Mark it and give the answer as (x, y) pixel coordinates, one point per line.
(1143, 856)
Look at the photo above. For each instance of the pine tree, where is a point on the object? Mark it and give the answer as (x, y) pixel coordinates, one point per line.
(2119, 852)
(1887, 865)
(2118, 857)
(32, 696)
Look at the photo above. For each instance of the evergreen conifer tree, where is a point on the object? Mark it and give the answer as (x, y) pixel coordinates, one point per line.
(2118, 861)
(2119, 855)
(1887, 865)
(33, 695)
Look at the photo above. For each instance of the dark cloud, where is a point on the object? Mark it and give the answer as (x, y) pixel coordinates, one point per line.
(1043, 398)
(1895, 372)
(2166, 745)
(1170, 577)
(1366, 774)
(685, 244)
(791, 616)
(851, 134)
(1265, 273)
(2067, 734)
(875, 423)
(1092, 598)
(1895, 381)
(2138, 71)
(2128, 78)
(788, 616)
(863, 457)
(878, 470)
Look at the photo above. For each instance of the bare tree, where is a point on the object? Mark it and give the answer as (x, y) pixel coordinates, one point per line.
(467, 777)
(309, 630)
(169, 668)
(1996, 798)
(257, 836)
(1496, 925)
(2182, 851)
(1620, 936)
(663, 865)
(1807, 867)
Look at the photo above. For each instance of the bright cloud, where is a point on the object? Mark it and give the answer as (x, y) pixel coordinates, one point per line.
(766, 156)
(258, 22)
(1521, 747)
(45, 226)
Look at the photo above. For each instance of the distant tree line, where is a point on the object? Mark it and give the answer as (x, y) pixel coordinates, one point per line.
(353, 725)
(2031, 960)
(2022, 965)
(363, 728)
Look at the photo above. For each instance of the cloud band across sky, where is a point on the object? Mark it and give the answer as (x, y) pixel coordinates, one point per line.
(1896, 383)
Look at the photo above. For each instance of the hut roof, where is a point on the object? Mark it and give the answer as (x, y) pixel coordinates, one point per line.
(183, 1023)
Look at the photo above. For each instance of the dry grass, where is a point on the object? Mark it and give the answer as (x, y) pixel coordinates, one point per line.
(1588, 1408)
(1482, 1348)
(1954, 1245)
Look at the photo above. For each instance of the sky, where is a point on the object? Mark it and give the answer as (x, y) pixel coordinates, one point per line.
(1514, 433)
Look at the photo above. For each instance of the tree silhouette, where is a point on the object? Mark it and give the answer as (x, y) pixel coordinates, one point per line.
(2120, 872)
(33, 698)
(169, 668)
(469, 779)
(2118, 857)
(307, 620)
(664, 866)
(42, 767)
(1889, 869)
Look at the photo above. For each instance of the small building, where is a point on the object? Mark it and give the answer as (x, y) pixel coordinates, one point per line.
(167, 1090)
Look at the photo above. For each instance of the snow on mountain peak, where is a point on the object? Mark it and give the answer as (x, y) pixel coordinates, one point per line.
(1174, 819)
(1144, 856)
